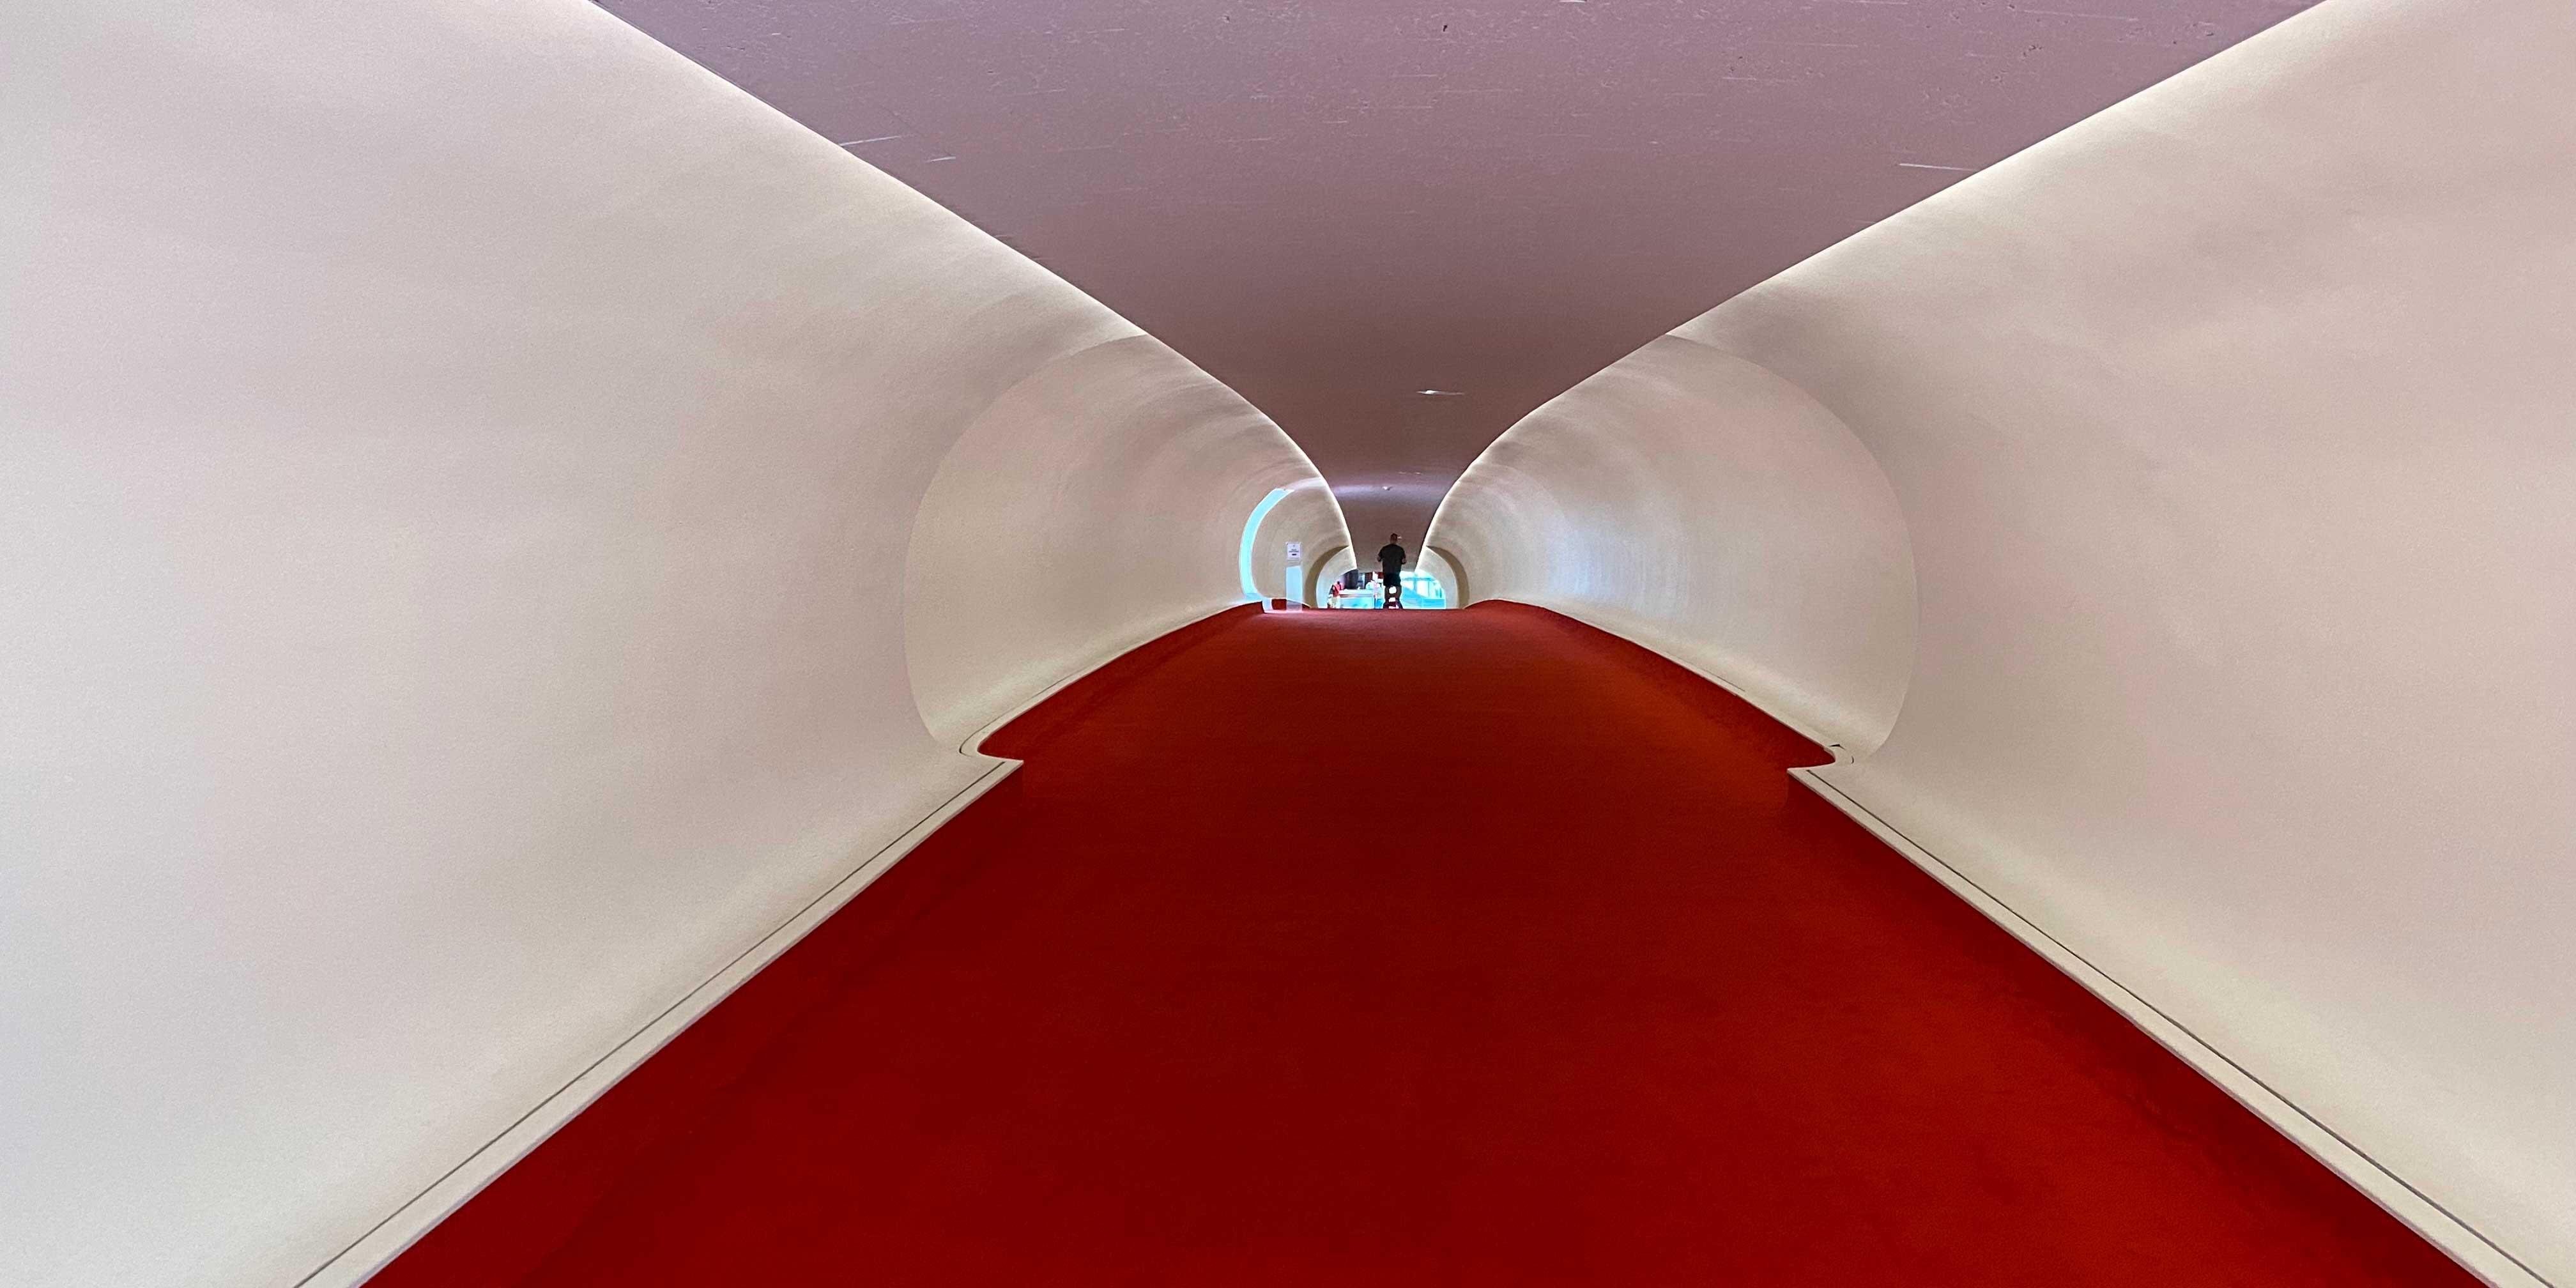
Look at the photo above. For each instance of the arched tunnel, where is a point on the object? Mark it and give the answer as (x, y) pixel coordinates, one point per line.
(660, 642)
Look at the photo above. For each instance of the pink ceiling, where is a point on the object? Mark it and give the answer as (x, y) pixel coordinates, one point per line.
(1334, 205)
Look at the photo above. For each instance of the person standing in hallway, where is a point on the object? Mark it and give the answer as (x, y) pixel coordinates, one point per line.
(1390, 566)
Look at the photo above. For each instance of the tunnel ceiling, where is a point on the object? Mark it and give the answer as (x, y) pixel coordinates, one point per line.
(1337, 205)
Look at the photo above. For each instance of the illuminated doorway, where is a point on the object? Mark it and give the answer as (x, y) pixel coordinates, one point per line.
(1421, 590)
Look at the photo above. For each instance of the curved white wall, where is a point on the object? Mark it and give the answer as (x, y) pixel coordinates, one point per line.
(1320, 578)
(1698, 504)
(1309, 515)
(2231, 432)
(1452, 572)
(462, 464)
(1096, 505)
(1436, 565)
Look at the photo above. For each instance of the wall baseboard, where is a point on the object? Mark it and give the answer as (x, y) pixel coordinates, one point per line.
(2456, 1238)
(1831, 743)
(973, 743)
(372, 1251)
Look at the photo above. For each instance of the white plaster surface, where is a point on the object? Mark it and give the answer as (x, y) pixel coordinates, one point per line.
(1096, 505)
(460, 474)
(2231, 434)
(1692, 501)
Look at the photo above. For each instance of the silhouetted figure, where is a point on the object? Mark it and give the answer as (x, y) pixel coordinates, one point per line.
(1390, 567)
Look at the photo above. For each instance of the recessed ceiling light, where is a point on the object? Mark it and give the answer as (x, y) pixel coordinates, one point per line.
(1441, 393)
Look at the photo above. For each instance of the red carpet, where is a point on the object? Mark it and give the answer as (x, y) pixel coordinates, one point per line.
(1605, 998)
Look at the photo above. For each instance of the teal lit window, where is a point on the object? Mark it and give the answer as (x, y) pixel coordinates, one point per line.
(1421, 590)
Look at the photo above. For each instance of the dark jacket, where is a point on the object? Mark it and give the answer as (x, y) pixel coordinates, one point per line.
(1390, 560)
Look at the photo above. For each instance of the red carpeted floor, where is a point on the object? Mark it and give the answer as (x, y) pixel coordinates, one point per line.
(1605, 998)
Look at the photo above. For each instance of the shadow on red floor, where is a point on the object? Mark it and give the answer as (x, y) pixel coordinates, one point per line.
(1626, 1006)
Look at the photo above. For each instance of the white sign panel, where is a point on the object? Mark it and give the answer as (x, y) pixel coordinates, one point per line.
(1296, 551)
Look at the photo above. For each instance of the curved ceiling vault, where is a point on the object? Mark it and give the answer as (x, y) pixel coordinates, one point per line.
(1340, 206)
